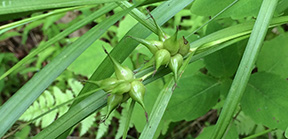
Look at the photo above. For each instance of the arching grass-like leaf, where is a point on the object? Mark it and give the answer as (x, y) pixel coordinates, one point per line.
(246, 65)
(59, 36)
(16, 6)
(24, 97)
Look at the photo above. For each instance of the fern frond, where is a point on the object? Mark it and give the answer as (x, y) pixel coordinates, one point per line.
(86, 124)
(245, 125)
(49, 100)
(103, 127)
(122, 120)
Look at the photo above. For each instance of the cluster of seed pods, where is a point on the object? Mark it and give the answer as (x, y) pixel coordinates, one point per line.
(122, 87)
(167, 51)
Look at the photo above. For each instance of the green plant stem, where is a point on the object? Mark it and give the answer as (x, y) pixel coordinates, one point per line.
(259, 134)
(246, 65)
(128, 119)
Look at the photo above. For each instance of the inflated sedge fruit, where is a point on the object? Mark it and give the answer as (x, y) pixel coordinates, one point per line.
(137, 92)
(121, 72)
(122, 88)
(183, 46)
(109, 84)
(175, 63)
(153, 46)
(171, 44)
(113, 101)
(162, 57)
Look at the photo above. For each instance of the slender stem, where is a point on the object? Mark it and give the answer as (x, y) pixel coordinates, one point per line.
(260, 134)
(146, 76)
(246, 65)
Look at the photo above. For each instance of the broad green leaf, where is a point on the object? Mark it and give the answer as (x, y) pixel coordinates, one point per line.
(195, 95)
(16, 6)
(231, 134)
(24, 97)
(90, 59)
(286, 132)
(224, 63)
(193, 68)
(282, 6)
(241, 9)
(265, 100)
(273, 56)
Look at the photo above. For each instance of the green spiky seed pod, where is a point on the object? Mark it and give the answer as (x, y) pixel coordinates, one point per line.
(175, 63)
(108, 84)
(137, 92)
(184, 46)
(122, 88)
(113, 101)
(153, 46)
(162, 57)
(171, 44)
(121, 72)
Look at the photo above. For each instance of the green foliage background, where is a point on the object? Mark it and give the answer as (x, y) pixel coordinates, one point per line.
(59, 63)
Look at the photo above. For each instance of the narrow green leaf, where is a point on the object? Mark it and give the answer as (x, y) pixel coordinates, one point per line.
(146, 2)
(16, 6)
(229, 33)
(158, 110)
(12, 25)
(24, 97)
(246, 65)
(59, 36)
